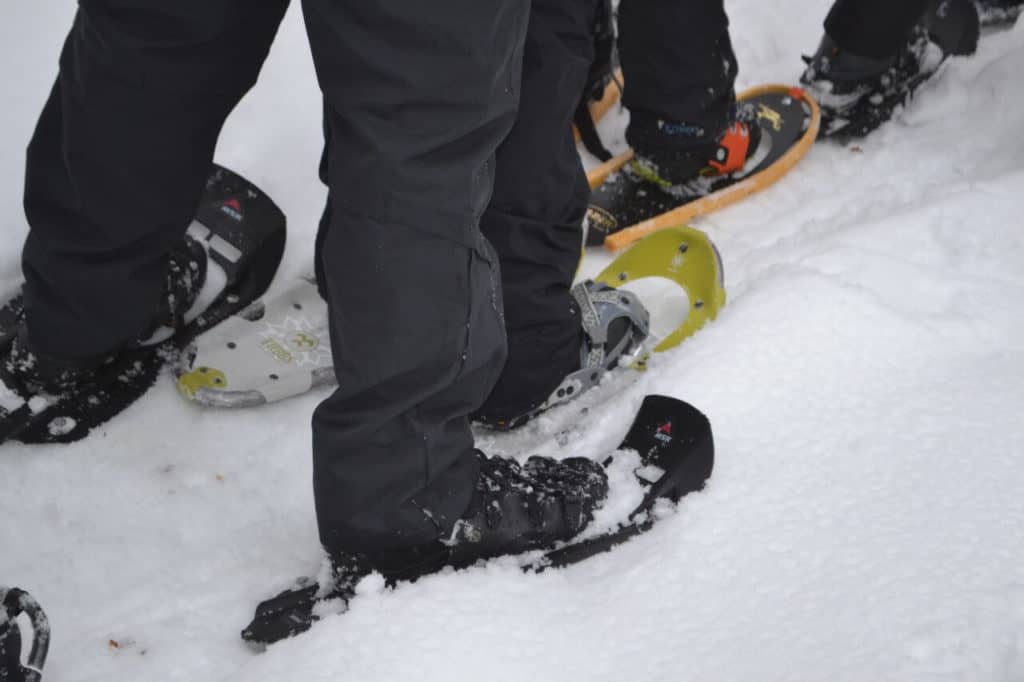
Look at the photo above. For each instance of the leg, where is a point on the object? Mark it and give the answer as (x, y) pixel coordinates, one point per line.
(120, 155)
(535, 218)
(678, 64)
(418, 97)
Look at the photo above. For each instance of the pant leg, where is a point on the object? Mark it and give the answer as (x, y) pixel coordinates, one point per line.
(418, 97)
(678, 64)
(535, 218)
(873, 28)
(121, 153)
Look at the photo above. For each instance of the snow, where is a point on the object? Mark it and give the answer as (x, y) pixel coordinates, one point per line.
(864, 382)
(9, 399)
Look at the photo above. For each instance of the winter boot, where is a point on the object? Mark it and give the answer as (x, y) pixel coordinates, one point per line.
(515, 508)
(857, 94)
(671, 153)
(27, 372)
(615, 326)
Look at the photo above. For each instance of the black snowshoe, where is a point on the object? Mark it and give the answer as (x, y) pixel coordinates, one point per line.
(520, 508)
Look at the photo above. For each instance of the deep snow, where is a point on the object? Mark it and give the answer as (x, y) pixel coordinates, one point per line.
(865, 384)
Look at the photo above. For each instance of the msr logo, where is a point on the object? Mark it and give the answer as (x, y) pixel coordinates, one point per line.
(664, 433)
(233, 208)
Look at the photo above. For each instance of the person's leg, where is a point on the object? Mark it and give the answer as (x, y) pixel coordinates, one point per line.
(680, 71)
(120, 155)
(418, 98)
(535, 217)
(678, 66)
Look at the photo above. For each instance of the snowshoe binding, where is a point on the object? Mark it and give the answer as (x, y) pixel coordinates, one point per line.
(615, 327)
(857, 94)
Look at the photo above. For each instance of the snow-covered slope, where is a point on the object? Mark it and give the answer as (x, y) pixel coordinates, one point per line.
(865, 384)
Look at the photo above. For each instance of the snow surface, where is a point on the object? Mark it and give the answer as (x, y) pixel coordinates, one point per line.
(865, 385)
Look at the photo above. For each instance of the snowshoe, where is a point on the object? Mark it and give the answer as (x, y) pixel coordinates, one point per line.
(615, 327)
(674, 446)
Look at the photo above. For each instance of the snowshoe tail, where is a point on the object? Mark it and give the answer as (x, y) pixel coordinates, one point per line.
(675, 437)
(246, 232)
(285, 615)
(669, 435)
(291, 612)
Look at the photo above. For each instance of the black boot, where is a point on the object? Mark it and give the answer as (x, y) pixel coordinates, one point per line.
(857, 94)
(28, 372)
(670, 153)
(515, 508)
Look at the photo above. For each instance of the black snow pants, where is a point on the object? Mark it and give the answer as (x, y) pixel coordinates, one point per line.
(873, 28)
(120, 156)
(393, 453)
(418, 97)
(535, 217)
(677, 64)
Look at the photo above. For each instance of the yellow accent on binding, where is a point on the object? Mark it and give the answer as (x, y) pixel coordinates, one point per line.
(766, 113)
(648, 173)
(201, 377)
